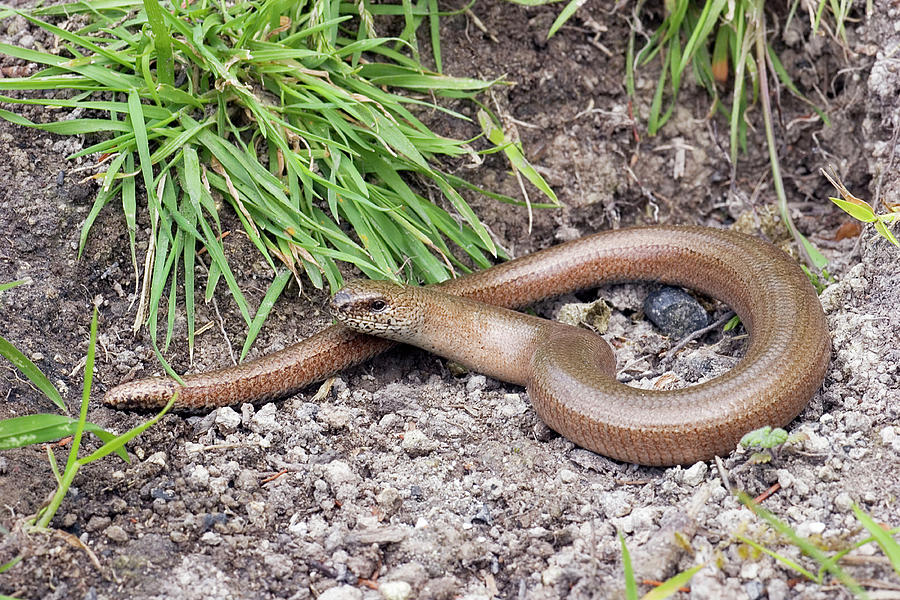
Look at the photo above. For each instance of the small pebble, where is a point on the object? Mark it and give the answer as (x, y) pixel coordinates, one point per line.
(785, 479)
(493, 487)
(227, 419)
(483, 515)
(395, 590)
(750, 570)
(264, 420)
(163, 494)
(97, 523)
(157, 458)
(695, 475)
(116, 534)
(337, 472)
(179, 537)
(416, 493)
(415, 443)
(389, 500)
(341, 592)
(615, 504)
(777, 589)
(567, 475)
(211, 538)
(335, 417)
(476, 383)
(512, 405)
(442, 588)
(595, 314)
(754, 589)
(551, 575)
(675, 312)
(199, 475)
(808, 528)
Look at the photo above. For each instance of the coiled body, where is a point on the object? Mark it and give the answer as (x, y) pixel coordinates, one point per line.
(784, 365)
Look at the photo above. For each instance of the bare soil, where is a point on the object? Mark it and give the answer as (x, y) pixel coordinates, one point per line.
(406, 481)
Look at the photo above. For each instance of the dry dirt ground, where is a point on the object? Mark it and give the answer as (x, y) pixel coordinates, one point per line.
(406, 481)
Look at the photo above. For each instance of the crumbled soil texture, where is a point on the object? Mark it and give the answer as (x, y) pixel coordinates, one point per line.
(405, 480)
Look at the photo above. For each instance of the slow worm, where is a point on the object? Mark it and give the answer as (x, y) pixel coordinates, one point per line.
(569, 373)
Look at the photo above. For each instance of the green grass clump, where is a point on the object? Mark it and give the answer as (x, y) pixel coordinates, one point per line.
(724, 41)
(26, 430)
(274, 107)
(828, 564)
(714, 40)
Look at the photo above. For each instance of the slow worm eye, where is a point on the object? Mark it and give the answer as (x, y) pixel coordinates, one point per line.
(378, 305)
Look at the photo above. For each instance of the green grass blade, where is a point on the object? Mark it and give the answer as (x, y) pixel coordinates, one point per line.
(162, 42)
(882, 229)
(265, 307)
(85, 396)
(789, 563)
(30, 370)
(17, 432)
(116, 57)
(9, 565)
(700, 32)
(805, 545)
(27, 430)
(117, 444)
(73, 127)
(91, 69)
(11, 284)
(564, 16)
(514, 154)
(888, 544)
(434, 29)
(138, 127)
(190, 256)
(671, 585)
(630, 583)
(91, 6)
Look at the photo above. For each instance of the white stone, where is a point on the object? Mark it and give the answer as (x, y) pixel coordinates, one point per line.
(785, 478)
(256, 509)
(342, 592)
(551, 575)
(415, 443)
(199, 475)
(264, 419)
(615, 504)
(568, 476)
(211, 538)
(695, 474)
(512, 405)
(493, 487)
(227, 419)
(808, 528)
(337, 472)
(816, 443)
(843, 501)
(395, 590)
(750, 570)
(157, 458)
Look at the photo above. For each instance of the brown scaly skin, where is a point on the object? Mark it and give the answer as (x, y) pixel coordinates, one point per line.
(784, 365)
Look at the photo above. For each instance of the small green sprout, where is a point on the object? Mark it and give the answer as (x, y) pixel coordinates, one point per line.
(862, 210)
